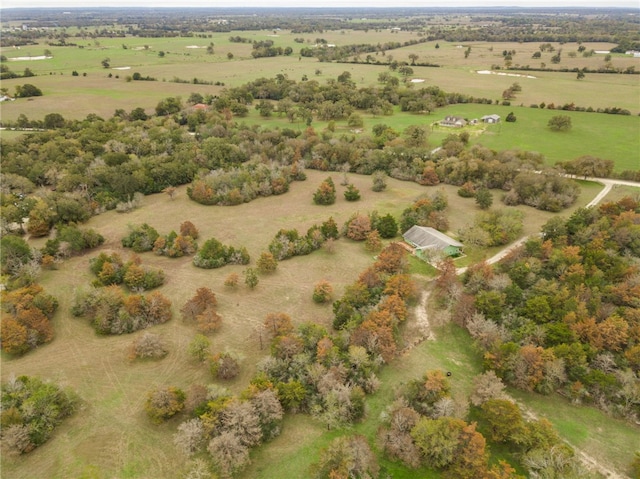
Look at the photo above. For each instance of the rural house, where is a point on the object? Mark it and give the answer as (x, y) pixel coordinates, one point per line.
(455, 121)
(491, 118)
(426, 240)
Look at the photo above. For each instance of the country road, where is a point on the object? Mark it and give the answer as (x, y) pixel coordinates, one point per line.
(608, 183)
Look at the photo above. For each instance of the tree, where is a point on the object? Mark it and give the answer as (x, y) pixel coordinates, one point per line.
(228, 453)
(190, 436)
(27, 90)
(187, 228)
(53, 121)
(437, 439)
(267, 263)
(347, 457)
(106, 63)
(326, 193)
(379, 181)
(164, 403)
(278, 324)
(503, 417)
(484, 198)
(387, 226)
(352, 193)
(251, 278)
(580, 75)
(487, 386)
(322, 291)
(224, 366)
(511, 118)
(199, 346)
(203, 299)
(560, 123)
(358, 227)
(373, 242)
(149, 345)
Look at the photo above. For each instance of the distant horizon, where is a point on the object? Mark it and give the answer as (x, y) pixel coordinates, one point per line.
(326, 4)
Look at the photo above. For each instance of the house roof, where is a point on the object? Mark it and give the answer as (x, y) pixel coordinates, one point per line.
(493, 117)
(424, 237)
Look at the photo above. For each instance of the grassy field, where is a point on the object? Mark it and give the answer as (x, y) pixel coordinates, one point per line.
(111, 436)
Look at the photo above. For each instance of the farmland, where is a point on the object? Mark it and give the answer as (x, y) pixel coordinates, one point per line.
(104, 166)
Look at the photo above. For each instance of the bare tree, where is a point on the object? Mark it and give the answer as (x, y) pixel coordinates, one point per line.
(228, 453)
(189, 437)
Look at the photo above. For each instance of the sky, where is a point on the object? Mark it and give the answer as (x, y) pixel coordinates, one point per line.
(316, 3)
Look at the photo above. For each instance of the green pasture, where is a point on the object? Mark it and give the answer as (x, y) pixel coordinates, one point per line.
(614, 137)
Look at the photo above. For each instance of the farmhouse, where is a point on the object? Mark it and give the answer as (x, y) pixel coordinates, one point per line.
(426, 240)
(455, 121)
(491, 118)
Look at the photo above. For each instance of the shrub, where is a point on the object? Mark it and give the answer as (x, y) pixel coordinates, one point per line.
(214, 254)
(322, 291)
(148, 346)
(224, 366)
(352, 193)
(140, 238)
(267, 263)
(164, 403)
(326, 193)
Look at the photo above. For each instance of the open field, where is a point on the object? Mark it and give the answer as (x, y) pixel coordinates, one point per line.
(112, 437)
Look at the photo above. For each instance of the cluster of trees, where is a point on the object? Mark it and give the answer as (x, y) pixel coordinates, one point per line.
(97, 164)
(241, 185)
(111, 311)
(542, 191)
(71, 240)
(226, 427)
(425, 426)
(428, 210)
(201, 309)
(27, 312)
(214, 254)
(561, 312)
(111, 269)
(493, 228)
(31, 410)
(289, 243)
(141, 238)
(176, 245)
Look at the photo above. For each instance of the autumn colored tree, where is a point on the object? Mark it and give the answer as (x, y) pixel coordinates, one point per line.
(322, 291)
(267, 263)
(326, 193)
(346, 457)
(278, 324)
(187, 228)
(148, 345)
(373, 242)
(202, 300)
(392, 259)
(232, 280)
(163, 403)
(503, 418)
(224, 366)
(358, 227)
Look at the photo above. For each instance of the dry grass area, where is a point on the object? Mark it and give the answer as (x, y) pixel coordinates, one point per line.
(111, 435)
